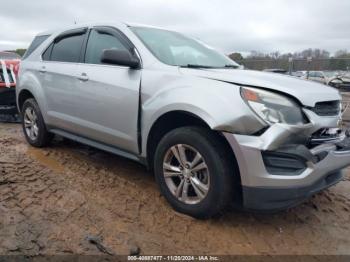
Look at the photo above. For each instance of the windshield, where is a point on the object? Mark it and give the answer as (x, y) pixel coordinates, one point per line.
(178, 50)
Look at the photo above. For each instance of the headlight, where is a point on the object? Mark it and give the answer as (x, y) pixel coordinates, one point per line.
(272, 107)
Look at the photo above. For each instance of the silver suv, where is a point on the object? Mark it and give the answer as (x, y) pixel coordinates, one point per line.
(213, 134)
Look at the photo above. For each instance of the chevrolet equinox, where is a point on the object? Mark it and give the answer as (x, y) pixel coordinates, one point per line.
(213, 134)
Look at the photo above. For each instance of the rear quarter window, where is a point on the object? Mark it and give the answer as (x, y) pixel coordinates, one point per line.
(38, 40)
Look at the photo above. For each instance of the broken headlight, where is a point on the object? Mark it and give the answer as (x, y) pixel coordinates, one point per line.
(272, 107)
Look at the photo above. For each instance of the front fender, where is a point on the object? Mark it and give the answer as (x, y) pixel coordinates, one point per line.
(219, 104)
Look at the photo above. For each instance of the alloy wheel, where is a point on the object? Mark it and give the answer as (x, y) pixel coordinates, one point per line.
(186, 174)
(31, 123)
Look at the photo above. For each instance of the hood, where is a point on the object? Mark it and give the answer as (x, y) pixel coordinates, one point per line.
(307, 92)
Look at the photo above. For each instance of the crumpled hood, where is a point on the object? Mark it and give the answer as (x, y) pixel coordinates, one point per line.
(307, 92)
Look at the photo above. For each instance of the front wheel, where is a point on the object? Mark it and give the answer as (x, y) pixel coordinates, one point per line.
(33, 124)
(194, 172)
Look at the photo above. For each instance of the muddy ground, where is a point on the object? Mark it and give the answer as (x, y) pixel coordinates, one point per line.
(52, 200)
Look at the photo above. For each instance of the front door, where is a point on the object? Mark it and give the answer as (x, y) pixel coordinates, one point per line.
(109, 94)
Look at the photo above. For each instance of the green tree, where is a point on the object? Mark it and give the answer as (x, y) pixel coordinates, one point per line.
(236, 56)
(21, 51)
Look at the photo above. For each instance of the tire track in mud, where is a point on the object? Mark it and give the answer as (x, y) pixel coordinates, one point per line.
(52, 198)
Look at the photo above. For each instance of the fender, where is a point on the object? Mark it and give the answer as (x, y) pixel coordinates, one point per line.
(199, 97)
(28, 81)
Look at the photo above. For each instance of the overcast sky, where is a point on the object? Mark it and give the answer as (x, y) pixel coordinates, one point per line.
(230, 25)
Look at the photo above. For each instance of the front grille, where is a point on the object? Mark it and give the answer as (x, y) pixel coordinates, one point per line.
(328, 108)
(326, 135)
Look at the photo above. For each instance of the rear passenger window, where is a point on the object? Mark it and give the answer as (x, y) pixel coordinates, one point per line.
(67, 49)
(98, 42)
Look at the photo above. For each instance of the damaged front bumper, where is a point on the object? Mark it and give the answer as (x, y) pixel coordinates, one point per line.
(284, 166)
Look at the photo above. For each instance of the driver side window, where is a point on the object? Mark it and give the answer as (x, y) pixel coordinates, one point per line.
(98, 42)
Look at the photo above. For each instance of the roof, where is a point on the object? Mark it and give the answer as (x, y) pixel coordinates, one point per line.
(90, 24)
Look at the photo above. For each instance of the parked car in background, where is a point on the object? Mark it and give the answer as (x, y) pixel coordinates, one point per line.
(340, 81)
(9, 66)
(213, 135)
(300, 74)
(317, 76)
(323, 77)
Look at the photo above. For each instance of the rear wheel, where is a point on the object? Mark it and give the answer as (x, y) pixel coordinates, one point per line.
(33, 124)
(194, 172)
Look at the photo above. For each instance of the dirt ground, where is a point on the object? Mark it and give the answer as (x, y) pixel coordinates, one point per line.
(53, 200)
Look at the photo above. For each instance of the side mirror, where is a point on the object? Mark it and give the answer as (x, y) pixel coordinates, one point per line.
(120, 57)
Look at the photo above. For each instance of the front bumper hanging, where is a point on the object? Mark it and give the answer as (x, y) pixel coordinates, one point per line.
(277, 175)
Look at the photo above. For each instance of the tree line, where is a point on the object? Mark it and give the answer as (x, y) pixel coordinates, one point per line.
(314, 53)
(308, 59)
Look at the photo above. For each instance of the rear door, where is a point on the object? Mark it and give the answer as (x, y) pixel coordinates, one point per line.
(108, 103)
(59, 74)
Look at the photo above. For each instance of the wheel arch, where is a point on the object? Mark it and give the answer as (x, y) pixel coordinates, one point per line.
(175, 119)
(164, 124)
(23, 95)
(179, 118)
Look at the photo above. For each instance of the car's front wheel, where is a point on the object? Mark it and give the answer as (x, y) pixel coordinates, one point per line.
(194, 172)
(33, 124)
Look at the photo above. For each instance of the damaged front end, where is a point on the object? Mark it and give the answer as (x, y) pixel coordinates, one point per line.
(287, 163)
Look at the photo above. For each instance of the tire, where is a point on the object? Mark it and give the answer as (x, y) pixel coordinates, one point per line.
(34, 127)
(218, 181)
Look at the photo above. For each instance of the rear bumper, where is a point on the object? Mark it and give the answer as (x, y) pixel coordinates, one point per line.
(3, 85)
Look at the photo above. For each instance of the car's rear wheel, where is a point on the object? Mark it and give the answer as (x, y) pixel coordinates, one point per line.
(33, 124)
(194, 172)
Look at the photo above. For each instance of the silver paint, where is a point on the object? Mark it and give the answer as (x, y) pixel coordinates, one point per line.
(104, 106)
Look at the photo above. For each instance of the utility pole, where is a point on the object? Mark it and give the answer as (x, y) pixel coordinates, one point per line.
(290, 60)
(309, 60)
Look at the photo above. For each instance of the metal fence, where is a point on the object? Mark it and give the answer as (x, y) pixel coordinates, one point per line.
(329, 64)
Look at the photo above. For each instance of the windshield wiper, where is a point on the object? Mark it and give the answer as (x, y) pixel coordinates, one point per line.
(212, 67)
(231, 66)
(196, 66)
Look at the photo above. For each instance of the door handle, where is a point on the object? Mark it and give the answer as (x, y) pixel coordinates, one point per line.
(83, 77)
(42, 70)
